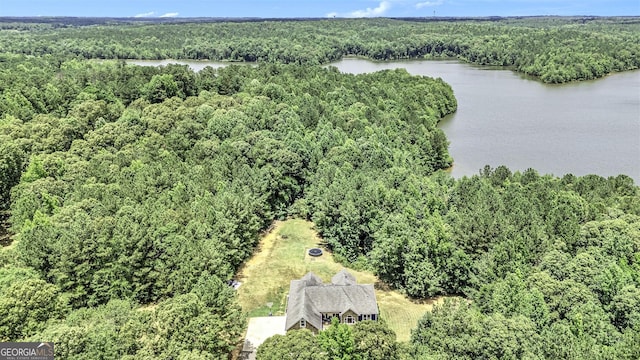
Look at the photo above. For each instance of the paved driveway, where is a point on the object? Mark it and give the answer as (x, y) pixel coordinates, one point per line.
(261, 328)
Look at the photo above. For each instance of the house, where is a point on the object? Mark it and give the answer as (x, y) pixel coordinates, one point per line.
(312, 304)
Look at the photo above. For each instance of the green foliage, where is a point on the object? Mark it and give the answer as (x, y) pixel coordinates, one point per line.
(175, 189)
(205, 323)
(554, 49)
(337, 341)
(133, 191)
(624, 306)
(34, 171)
(106, 332)
(11, 165)
(374, 340)
(547, 263)
(296, 344)
(189, 322)
(10, 275)
(364, 340)
(419, 256)
(25, 307)
(573, 291)
(160, 88)
(511, 297)
(456, 330)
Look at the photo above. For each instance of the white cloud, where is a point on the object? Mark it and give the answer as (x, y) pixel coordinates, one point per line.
(369, 12)
(147, 14)
(384, 6)
(429, 3)
(173, 14)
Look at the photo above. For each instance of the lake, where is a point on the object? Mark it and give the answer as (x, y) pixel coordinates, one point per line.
(504, 118)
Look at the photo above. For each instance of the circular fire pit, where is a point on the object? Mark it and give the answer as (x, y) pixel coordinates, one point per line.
(315, 252)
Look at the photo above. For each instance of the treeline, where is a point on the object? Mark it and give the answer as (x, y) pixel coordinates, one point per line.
(542, 258)
(555, 50)
(554, 269)
(135, 192)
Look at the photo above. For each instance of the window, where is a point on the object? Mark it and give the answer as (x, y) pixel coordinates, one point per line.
(349, 319)
(366, 317)
(303, 323)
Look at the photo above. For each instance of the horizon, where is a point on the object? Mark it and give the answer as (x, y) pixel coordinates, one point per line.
(250, 18)
(283, 9)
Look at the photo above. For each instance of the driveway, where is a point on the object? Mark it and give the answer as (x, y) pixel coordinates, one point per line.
(261, 328)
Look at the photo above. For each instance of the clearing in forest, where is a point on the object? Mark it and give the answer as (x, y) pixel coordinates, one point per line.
(282, 256)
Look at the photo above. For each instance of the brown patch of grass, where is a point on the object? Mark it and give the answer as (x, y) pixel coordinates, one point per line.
(282, 256)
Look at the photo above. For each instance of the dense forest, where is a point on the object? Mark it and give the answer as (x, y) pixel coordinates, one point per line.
(129, 195)
(555, 50)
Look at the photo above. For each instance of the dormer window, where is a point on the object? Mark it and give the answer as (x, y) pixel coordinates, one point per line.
(303, 323)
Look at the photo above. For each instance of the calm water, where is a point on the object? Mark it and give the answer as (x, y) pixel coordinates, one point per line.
(590, 127)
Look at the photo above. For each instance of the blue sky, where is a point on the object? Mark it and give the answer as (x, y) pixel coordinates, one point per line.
(315, 8)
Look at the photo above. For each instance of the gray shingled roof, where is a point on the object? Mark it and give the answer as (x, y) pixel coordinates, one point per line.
(339, 298)
(311, 279)
(343, 277)
(297, 307)
(309, 297)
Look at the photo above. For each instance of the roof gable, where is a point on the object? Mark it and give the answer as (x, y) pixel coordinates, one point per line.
(311, 279)
(343, 277)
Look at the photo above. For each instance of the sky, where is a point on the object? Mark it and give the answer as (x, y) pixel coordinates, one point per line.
(315, 8)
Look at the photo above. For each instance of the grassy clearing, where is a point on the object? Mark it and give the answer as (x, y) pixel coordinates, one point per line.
(282, 257)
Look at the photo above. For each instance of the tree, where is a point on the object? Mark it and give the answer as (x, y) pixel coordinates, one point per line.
(457, 330)
(111, 331)
(26, 306)
(625, 307)
(374, 340)
(160, 88)
(296, 344)
(11, 166)
(207, 319)
(337, 341)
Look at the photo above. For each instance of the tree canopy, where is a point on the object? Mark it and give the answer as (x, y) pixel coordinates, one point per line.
(133, 193)
(554, 49)
(366, 340)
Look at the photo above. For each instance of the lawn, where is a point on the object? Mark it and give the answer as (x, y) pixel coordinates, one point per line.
(282, 256)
